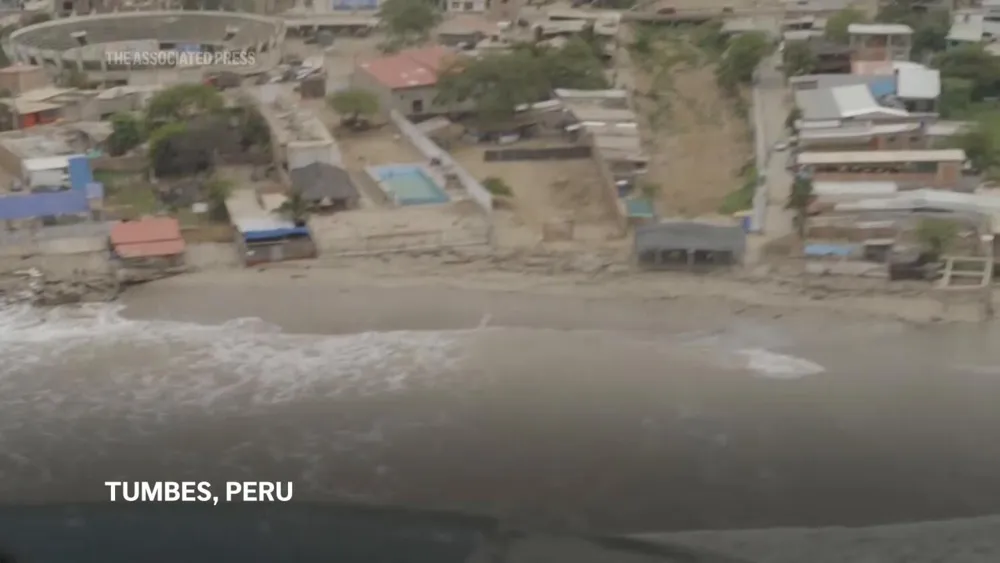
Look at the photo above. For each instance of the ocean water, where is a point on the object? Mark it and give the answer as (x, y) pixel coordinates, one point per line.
(752, 423)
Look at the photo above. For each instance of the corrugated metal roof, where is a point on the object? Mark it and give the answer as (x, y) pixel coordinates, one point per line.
(875, 157)
(857, 100)
(674, 235)
(854, 189)
(409, 69)
(948, 128)
(928, 199)
(967, 27)
(879, 29)
(264, 225)
(149, 237)
(918, 83)
(47, 162)
(817, 104)
(855, 130)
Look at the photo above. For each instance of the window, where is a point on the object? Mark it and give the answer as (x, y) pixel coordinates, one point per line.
(417, 106)
(468, 6)
(456, 5)
(926, 167)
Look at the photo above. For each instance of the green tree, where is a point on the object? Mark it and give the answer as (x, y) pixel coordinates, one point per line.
(355, 106)
(295, 207)
(217, 190)
(498, 83)
(182, 102)
(930, 28)
(936, 235)
(408, 22)
(956, 97)
(741, 58)
(126, 133)
(836, 26)
(497, 186)
(930, 33)
(575, 65)
(161, 150)
(799, 59)
(982, 144)
(800, 197)
(254, 130)
(972, 62)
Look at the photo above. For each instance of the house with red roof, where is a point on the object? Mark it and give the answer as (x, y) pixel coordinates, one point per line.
(149, 241)
(406, 81)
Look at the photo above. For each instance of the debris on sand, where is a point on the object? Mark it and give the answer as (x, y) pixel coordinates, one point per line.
(36, 287)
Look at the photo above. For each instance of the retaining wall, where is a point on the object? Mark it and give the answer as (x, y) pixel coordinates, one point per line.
(60, 265)
(609, 187)
(430, 150)
(551, 153)
(212, 256)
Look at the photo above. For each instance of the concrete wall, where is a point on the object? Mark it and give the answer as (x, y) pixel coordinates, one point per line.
(212, 256)
(609, 187)
(61, 257)
(429, 150)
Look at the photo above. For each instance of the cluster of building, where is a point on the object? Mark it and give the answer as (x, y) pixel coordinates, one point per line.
(878, 156)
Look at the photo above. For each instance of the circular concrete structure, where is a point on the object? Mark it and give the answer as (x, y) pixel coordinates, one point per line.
(89, 43)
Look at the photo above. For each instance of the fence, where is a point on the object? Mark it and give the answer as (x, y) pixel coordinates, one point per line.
(552, 153)
(472, 187)
(412, 241)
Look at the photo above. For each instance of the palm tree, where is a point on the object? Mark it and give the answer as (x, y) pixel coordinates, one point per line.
(295, 207)
(799, 199)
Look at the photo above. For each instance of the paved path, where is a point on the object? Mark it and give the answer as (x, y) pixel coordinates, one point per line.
(772, 106)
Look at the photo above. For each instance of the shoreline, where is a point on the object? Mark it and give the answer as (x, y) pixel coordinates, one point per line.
(577, 276)
(555, 302)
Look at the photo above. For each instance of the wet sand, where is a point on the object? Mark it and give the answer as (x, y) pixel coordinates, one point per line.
(581, 413)
(593, 407)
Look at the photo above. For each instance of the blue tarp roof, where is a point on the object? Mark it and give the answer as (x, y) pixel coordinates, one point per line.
(883, 87)
(30, 206)
(275, 234)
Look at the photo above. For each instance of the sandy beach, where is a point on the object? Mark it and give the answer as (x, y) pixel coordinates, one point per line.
(551, 401)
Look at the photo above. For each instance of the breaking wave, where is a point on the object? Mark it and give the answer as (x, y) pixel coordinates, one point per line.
(201, 365)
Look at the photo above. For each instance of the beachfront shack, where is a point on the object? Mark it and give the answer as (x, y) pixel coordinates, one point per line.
(271, 239)
(148, 243)
(689, 245)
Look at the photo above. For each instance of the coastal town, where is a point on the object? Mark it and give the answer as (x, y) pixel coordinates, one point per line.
(501, 281)
(845, 145)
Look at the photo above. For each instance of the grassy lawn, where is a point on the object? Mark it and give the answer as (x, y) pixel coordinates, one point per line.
(129, 195)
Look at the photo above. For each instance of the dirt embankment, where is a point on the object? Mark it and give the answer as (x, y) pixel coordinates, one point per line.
(697, 138)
